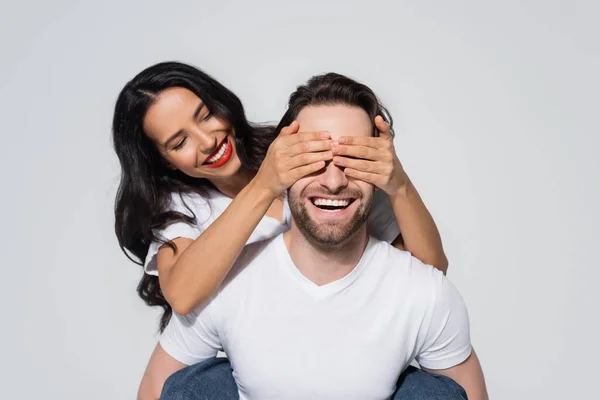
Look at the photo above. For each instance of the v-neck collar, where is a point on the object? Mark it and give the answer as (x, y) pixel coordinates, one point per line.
(315, 291)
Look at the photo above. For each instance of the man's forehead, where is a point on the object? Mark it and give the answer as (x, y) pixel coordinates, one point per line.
(338, 120)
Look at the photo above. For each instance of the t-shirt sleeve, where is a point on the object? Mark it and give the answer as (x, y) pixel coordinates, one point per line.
(448, 340)
(193, 206)
(191, 338)
(381, 222)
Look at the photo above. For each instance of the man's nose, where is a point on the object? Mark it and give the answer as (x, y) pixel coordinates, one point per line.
(333, 178)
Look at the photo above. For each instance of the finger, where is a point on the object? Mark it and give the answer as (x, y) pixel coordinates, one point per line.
(307, 136)
(357, 151)
(359, 165)
(367, 141)
(383, 127)
(363, 176)
(290, 129)
(309, 158)
(305, 170)
(310, 146)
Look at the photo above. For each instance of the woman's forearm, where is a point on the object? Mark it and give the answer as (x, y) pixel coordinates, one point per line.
(419, 232)
(202, 266)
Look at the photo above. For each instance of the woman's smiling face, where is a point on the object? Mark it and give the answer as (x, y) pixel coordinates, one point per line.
(189, 137)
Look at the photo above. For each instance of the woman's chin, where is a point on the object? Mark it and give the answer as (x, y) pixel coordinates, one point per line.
(228, 170)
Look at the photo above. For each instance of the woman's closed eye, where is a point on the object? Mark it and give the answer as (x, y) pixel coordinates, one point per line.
(206, 117)
(180, 144)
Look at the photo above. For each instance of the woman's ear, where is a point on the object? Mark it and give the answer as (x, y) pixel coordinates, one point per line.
(168, 165)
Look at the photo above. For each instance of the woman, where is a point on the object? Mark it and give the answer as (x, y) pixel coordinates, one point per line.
(199, 182)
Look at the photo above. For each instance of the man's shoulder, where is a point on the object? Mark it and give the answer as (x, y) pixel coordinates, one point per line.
(265, 248)
(255, 255)
(405, 281)
(401, 266)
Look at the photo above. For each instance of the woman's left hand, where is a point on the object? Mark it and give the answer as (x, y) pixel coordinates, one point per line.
(372, 159)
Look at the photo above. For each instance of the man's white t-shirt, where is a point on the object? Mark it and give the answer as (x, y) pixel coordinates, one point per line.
(288, 338)
(381, 222)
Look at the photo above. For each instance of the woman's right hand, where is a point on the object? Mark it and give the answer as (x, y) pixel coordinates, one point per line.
(293, 155)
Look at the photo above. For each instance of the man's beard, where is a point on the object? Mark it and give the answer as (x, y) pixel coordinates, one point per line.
(330, 234)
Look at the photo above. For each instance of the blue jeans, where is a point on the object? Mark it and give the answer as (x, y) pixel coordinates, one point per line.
(212, 380)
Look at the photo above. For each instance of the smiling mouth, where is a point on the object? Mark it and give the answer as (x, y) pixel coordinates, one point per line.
(331, 205)
(220, 156)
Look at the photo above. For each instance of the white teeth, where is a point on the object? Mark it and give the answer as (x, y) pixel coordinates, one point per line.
(331, 203)
(220, 154)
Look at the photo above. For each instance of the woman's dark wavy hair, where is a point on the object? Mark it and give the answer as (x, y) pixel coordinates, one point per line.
(334, 89)
(146, 184)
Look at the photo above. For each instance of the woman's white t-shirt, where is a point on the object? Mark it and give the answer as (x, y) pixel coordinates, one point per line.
(381, 222)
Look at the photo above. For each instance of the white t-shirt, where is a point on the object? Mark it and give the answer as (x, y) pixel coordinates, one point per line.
(381, 222)
(288, 338)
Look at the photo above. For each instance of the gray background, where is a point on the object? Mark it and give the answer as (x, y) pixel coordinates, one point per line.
(496, 108)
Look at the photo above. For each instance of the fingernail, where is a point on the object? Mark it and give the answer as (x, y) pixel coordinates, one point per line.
(334, 143)
(342, 140)
(325, 135)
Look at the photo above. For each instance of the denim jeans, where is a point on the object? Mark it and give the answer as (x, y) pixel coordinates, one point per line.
(212, 380)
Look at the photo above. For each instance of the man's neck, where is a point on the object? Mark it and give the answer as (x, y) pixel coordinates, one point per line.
(323, 265)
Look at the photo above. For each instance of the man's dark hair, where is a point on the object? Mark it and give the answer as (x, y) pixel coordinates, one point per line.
(334, 89)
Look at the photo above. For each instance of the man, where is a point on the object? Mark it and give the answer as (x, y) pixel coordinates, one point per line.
(324, 311)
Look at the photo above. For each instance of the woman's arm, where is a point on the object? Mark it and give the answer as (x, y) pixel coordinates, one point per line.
(374, 160)
(419, 234)
(190, 275)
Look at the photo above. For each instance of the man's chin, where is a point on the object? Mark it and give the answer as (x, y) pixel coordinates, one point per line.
(327, 237)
